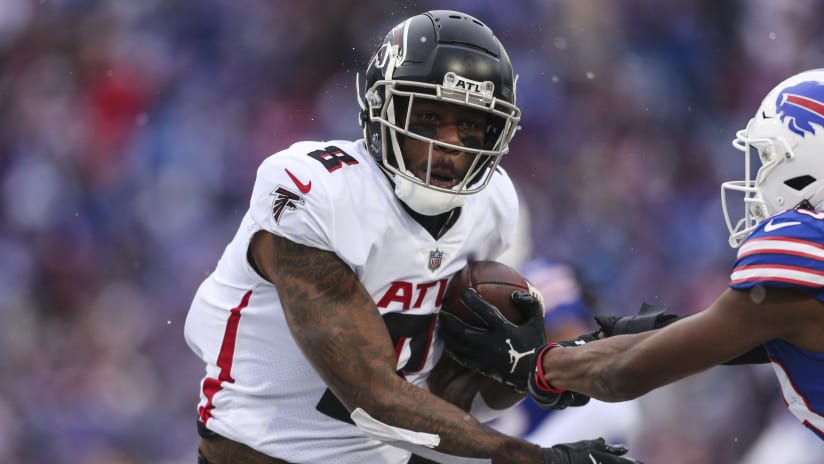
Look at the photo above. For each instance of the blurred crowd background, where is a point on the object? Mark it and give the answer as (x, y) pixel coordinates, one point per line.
(130, 132)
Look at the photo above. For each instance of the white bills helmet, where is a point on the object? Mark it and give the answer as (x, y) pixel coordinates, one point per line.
(787, 136)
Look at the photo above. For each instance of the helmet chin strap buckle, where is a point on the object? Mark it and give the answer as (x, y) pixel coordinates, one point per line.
(814, 202)
(804, 204)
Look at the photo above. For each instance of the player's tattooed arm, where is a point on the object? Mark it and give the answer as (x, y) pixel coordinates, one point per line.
(339, 329)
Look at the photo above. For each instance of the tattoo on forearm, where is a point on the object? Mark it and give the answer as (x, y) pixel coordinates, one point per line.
(324, 304)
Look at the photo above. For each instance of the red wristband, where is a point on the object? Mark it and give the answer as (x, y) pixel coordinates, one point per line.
(540, 380)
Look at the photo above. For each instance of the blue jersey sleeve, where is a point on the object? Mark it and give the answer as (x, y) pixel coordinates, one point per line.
(786, 250)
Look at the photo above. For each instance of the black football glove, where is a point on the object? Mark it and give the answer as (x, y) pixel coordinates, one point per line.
(586, 452)
(650, 317)
(500, 350)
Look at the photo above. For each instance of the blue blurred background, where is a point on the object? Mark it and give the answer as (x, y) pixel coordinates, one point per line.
(130, 133)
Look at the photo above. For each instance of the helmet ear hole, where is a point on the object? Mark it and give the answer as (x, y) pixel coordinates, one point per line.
(798, 183)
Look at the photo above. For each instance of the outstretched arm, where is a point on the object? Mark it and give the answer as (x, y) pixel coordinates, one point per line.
(624, 367)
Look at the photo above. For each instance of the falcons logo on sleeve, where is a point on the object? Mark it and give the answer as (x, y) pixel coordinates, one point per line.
(284, 199)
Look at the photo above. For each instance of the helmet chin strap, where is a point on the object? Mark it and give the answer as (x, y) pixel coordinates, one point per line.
(816, 200)
(425, 200)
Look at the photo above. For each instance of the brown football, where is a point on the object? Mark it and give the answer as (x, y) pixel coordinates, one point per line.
(495, 282)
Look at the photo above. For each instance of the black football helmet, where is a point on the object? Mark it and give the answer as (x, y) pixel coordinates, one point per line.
(446, 56)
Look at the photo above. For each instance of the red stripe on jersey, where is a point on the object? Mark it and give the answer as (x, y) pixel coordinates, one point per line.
(798, 393)
(211, 385)
(787, 239)
(802, 283)
(778, 241)
(812, 213)
(399, 347)
(781, 251)
(770, 273)
(812, 427)
(778, 267)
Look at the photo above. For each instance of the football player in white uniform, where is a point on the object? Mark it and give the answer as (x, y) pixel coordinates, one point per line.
(318, 328)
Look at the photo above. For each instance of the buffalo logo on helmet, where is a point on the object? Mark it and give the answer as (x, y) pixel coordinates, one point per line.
(801, 105)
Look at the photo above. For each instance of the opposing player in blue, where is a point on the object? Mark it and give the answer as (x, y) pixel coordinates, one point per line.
(773, 310)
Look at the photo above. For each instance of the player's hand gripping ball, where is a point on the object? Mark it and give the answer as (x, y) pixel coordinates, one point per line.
(495, 282)
(492, 321)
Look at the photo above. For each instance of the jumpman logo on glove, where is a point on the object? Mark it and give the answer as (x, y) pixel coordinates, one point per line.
(515, 356)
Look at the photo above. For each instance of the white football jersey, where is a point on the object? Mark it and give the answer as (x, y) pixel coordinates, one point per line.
(259, 389)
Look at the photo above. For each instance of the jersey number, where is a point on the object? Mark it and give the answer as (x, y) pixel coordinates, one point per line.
(332, 158)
